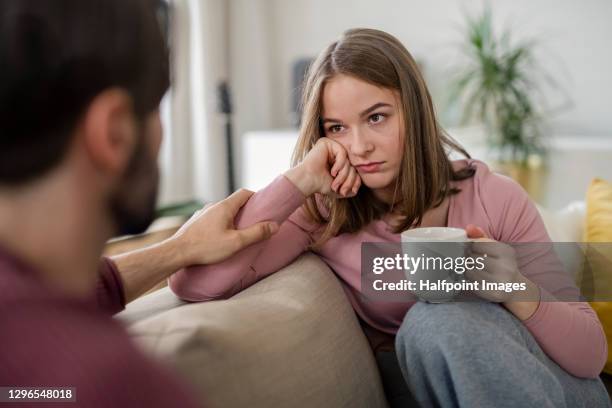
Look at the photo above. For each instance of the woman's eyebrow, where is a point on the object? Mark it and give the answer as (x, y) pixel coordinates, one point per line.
(325, 120)
(374, 107)
(364, 113)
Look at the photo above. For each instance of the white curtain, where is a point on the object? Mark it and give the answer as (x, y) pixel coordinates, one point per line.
(256, 85)
(193, 159)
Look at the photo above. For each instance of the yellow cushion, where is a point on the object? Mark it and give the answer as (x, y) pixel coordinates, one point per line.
(599, 212)
(598, 229)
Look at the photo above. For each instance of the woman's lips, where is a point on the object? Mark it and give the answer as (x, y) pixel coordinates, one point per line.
(371, 167)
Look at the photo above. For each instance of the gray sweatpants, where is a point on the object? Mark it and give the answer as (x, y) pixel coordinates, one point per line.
(477, 354)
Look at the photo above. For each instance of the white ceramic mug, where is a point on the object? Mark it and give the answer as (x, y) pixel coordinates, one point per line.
(434, 242)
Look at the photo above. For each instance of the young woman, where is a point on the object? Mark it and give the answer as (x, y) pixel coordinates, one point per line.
(372, 161)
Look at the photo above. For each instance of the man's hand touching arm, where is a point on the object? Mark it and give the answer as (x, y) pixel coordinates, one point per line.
(208, 237)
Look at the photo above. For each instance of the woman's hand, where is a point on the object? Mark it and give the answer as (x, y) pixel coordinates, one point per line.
(501, 267)
(326, 169)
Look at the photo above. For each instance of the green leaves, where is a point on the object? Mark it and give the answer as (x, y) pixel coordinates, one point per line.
(495, 88)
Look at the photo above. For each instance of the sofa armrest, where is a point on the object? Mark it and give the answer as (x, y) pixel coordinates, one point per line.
(291, 340)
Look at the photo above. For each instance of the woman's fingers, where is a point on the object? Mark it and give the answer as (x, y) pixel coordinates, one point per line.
(490, 248)
(474, 231)
(340, 159)
(351, 184)
(345, 179)
(341, 177)
(347, 186)
(357, 184)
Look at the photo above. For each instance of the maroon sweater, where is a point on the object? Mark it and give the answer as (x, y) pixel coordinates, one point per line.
(49, 339)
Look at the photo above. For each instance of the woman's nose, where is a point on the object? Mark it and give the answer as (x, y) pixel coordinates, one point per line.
(360, 143)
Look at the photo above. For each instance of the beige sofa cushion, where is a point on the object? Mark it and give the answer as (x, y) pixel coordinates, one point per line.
(291, 340)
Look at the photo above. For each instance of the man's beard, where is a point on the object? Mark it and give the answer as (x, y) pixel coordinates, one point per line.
(132, 206)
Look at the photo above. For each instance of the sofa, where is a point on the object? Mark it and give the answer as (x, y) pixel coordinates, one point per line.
(290, 340)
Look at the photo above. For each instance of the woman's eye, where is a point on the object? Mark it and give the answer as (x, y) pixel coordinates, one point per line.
(335, 128)
(377, 118)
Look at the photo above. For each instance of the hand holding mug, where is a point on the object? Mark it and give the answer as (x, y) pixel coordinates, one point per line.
(500, 265)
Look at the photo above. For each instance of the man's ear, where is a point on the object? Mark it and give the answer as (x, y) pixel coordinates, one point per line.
(109, 130)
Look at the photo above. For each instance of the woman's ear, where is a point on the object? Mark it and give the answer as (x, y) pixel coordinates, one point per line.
(109, 131)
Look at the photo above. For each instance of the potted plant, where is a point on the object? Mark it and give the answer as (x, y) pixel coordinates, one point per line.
(496, 87)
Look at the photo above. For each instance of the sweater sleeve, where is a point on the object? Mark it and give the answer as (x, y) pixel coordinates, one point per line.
(569, 332)
(280, 201)
(109, 295)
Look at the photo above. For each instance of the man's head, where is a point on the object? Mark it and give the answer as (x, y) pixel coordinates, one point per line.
(89, 74)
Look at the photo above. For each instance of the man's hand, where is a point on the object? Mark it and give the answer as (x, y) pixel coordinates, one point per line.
(209, 236)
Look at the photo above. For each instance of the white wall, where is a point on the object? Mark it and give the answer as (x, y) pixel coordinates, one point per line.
(574, 42)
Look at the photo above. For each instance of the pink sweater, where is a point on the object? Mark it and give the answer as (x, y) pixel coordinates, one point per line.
(569, 332)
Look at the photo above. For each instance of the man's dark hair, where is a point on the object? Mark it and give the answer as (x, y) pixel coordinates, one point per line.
(55, 57)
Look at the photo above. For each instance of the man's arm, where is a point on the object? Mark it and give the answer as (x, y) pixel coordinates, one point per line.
(142, 269)
(208, 237)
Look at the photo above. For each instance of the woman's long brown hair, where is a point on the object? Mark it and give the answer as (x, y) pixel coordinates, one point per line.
(426, 171)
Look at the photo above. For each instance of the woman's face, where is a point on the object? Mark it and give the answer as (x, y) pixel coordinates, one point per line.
(366, 120)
